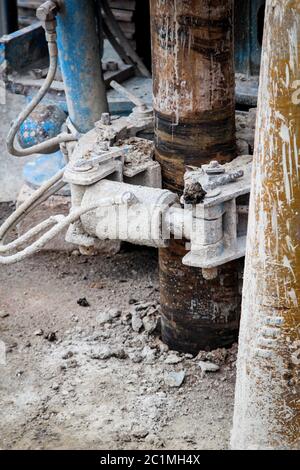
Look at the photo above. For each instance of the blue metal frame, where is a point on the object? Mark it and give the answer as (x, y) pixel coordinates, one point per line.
(24, 49)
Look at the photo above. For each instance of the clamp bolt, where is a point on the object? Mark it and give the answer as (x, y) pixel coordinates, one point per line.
(214, 168)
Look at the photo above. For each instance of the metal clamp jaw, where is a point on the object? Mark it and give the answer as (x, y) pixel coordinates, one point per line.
(219, 222)
(108, 148)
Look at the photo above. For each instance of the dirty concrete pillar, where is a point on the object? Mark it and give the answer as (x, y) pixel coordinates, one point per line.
(193, 87)
(267, 403)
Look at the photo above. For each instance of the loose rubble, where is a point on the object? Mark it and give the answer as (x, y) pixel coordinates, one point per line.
(106, 380)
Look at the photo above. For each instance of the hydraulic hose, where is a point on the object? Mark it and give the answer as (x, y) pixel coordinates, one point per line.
(44, 147)
(61, 222)
(37, 198)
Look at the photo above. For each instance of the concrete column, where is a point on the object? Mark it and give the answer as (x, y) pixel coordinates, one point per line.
(193, 75)
(267, 403)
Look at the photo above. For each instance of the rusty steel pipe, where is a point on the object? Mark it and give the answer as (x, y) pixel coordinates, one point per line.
(194, 105)
(267, 403)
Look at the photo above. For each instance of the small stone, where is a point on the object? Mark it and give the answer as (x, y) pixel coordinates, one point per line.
(55, 387)
(72, 364)
(4, 314)
(193, 192)
(143, 306)
(136, 322)
(218, 356)
(51, 337)
(103, 318)
(38, 333)
(189, 356)
(173, 359)
(175, 379)
(136, 358)
(11, 347)
(150, 324)
(83, 302)
(119, 353)
(132, 301)
(75, 253)
(115, 313)
(108, 316)
(208, 367)
(149, 355)
(140, 433)
(164, 348)
(68, 355)
(106, 352)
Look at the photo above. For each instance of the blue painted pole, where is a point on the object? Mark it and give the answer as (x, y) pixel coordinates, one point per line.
(80, 61)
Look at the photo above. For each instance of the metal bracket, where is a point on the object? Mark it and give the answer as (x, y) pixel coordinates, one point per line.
(219, 228)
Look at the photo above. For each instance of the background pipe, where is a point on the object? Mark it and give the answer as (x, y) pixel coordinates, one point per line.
(194, 105)
(80, 62)
(8, 17)
(267, 403)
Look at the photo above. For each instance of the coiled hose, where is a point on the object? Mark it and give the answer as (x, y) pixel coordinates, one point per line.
(49, 144)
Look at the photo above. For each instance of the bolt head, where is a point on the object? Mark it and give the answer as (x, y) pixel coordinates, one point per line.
(105, 119)
(214, 164)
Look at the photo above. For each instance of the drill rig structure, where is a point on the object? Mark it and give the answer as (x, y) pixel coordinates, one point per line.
(187, 192)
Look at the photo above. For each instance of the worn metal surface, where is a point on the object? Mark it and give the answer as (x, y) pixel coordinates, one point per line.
(193, 75)
(138, 221)
(80, 61)
(193, 84)
(267, 406)
(219, 231)
(24, 49)
(43, 123)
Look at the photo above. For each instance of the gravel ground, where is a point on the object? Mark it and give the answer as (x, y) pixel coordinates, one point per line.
(85, 366)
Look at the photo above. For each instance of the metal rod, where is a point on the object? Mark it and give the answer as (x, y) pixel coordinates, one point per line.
(193, 86)
(80, 61)
(267, 402)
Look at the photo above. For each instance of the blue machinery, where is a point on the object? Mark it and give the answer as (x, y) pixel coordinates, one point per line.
(80, 61)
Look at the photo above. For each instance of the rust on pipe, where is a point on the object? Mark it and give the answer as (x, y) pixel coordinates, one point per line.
(194, 106)
(267, 404)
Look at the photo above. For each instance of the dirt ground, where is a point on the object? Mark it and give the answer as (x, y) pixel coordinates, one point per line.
(96, 375)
